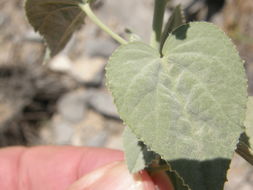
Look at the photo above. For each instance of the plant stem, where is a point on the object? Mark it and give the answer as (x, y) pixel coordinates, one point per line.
(245, 152)
(159, 10)
(158, 169)
(86, 8)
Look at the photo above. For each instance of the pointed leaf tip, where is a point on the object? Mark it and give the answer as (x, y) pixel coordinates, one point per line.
(55, 20)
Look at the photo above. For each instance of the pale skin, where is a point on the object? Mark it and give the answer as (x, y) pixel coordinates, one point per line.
(72, 168)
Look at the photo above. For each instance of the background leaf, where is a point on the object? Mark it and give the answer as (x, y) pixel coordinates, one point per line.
(56, 20)
(136, 153)
(180, 105)
(176, 19)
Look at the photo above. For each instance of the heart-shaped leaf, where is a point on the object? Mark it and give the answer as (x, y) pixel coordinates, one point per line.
(189, 104)
(56, 20)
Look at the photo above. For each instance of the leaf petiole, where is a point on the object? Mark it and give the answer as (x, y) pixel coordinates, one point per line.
(86, 8)
(157, 25)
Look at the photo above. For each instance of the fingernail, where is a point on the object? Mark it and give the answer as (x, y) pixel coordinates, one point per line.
(114, 176)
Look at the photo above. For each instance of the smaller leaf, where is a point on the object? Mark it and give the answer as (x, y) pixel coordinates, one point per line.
(176, 19)
(56, 20)
(136, 153)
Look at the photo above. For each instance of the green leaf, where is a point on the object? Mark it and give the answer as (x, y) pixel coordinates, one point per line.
(176, 19)
(136, 153)
(249, 120)
(190, 103)
(202, 175)
(56, 20)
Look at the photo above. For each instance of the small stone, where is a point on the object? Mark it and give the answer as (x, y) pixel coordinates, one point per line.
(72, 106)
(115, 127)
(102, 102)
(96, 47)
(88, 70)
(60, 63)
(98, 140)
(7, 112)
(62, 131)
(33, 36)
(115, 142)
(3, 19)
(90, 131)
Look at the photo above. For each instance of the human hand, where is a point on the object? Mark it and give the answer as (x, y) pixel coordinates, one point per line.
(72, 168)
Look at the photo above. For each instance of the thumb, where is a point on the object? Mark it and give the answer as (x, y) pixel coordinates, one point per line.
(114, 176)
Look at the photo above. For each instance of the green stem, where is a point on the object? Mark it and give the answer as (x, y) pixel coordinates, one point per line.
(86, 8)
(158, 16)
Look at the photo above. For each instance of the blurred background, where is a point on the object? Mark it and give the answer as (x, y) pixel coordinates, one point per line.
(66, 102)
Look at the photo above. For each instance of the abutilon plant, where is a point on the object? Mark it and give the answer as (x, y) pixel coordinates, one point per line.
(183, 96)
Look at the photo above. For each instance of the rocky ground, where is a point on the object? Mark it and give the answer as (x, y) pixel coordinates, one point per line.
(65, 101)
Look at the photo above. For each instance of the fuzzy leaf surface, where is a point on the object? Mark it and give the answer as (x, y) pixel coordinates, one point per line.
(189, 104)
(55, 20)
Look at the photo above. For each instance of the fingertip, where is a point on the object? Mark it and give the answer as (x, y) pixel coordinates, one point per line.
(148, 183)
(50, 166)
(9, 164)
(162, 181)
(114, 176)
(96, 157)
